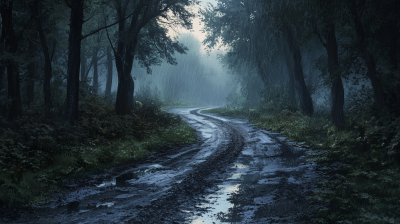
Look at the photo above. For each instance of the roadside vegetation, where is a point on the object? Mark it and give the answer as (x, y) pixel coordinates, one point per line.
(362, 160)
(37, 154)
(326, 75)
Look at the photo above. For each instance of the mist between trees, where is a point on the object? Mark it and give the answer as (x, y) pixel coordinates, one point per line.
(317, 55)
(59, 52)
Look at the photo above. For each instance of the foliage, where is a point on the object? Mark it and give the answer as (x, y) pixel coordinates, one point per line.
(364, 187)
(37, 154)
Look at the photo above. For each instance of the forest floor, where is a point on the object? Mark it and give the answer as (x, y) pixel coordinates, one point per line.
(362, 160)
(235, 172)
(38, 156)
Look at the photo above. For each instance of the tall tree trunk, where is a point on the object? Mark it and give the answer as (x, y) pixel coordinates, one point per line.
(393, 57)
(74, 53)
(15, 109)
(95, 71)
(291, 85)
(30, 86)
(261, 71)
(3, 76)
(109, 71)
(47, 66)
(126, 85)
(363, 43)
(124, 56)
(83, 61)
(305, 99)
(3, 89)
(380, 96)
(337, 91)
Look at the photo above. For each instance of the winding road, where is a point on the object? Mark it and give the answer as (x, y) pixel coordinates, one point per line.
(235, 173)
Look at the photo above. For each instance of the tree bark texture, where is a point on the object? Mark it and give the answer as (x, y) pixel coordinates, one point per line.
(109, 72)
(305, 99)
(337, 91)
(30, 86)
(47, 65)
(15, 109)
(74, 52)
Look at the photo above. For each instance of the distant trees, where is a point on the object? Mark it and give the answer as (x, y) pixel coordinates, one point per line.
(139, 31)
(360, 38)
(242, 26)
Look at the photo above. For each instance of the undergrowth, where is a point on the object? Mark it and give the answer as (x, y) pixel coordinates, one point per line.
(365, 188)
(37, 154)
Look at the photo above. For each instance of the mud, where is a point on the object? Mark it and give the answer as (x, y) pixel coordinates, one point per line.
(235, 173)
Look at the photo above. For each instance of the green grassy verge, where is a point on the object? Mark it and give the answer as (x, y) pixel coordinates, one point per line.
(37, 156)
(365, 188)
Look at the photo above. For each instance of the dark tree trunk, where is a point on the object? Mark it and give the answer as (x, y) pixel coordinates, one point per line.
(379, 93)
(393, 57)
(291, 84)
(261, 72)
(363, 43)
(83, 61)
(109, 72)
(95, 71)
(15, 109)
(30, 86)
(124, 55)
(3, 89)
(337, 91)
(47, 66)
(305, 99)
(126, 85)
(74, 52)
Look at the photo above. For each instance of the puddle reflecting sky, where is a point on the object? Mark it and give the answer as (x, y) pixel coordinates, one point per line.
(218, 204)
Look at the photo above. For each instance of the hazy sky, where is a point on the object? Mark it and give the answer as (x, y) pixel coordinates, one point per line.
(196, 21)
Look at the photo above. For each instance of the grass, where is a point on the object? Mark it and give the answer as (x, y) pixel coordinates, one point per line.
(365, 187)
(37, 157)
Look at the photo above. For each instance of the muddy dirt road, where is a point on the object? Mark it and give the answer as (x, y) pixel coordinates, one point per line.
(235, 173)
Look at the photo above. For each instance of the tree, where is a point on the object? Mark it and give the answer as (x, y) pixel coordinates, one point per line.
(74, 49)
(109, 71)
(244, 27)
(144, 11)
(6, 10)
(304, 96)
(327, 18)
(47, 57)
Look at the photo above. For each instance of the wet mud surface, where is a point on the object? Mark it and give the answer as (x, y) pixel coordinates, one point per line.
(235, 173)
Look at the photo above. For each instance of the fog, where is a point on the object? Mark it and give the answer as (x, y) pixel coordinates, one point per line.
(198, 78)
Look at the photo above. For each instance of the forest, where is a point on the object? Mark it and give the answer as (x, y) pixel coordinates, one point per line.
(90, 86)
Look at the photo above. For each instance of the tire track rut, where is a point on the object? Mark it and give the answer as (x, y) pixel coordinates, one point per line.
(193, 186)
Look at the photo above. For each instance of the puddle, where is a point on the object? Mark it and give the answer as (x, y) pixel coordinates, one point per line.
(240, 166)
(121, 180)
(106, 204)
(107, 183)
(235, 176)
(218, 205)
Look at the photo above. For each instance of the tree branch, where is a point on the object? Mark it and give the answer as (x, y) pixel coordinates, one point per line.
(105, 27)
